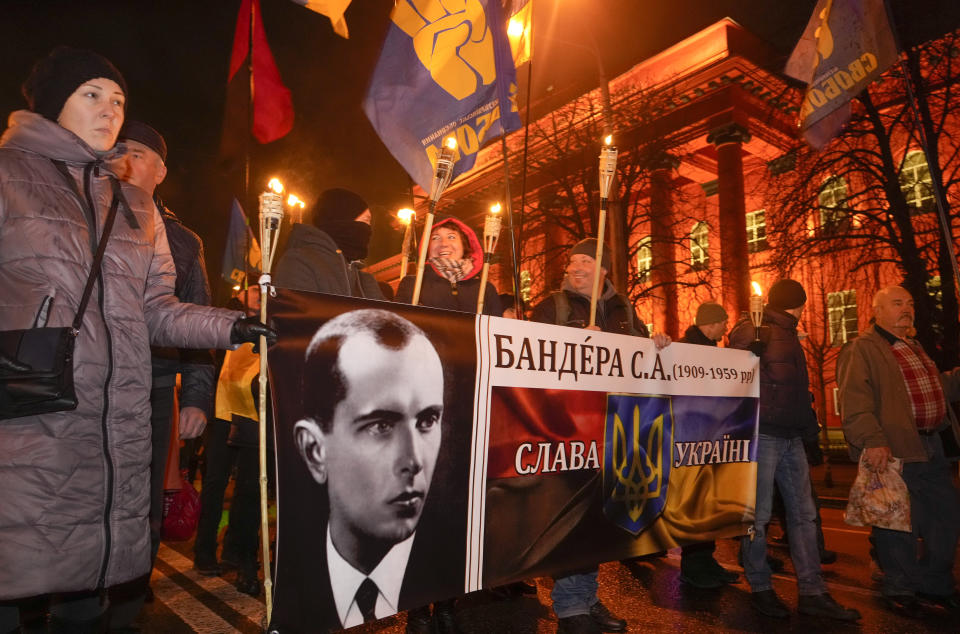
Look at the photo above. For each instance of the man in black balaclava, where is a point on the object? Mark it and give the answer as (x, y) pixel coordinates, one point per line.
(325, 257)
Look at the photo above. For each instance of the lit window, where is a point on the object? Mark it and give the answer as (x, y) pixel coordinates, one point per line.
(916, 183)
(834, 213)
(842, 316)
(644, 260)
(756, 231)
(699, 246)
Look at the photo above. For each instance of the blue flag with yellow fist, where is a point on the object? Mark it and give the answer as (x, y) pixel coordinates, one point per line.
(445, 69)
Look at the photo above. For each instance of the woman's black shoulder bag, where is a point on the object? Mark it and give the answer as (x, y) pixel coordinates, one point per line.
(48, 385)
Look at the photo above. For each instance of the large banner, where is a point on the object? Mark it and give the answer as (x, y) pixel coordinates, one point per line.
(423, 454)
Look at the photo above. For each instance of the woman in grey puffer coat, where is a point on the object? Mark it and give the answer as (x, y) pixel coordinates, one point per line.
(74, 492)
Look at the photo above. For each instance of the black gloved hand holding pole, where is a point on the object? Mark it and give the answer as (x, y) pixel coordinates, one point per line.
(250, 329)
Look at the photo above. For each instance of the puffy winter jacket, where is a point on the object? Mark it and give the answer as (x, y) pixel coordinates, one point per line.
(74, 486)
(312, 262)
(784, 385)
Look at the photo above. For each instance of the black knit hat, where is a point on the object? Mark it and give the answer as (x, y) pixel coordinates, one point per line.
(786, 294)
(55, 77)
(139, 131)
(588, 246)
(337, 205)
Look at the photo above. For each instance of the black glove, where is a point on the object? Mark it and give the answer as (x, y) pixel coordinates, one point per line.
(250, 329)
(10, 367)
(757, 347)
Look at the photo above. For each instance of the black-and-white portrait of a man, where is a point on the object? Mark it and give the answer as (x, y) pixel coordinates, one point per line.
(369, 436)
(372, 437)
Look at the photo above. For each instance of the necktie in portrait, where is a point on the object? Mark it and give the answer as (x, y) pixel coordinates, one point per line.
(366, 599)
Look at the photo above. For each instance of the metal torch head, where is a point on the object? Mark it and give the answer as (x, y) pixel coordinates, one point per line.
(271, 208)
(444, 169)
(756, 310)
(493, 222)
(608, 167)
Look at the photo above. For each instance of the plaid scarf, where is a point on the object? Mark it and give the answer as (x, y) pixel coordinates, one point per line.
(452, 270)
(923, 384)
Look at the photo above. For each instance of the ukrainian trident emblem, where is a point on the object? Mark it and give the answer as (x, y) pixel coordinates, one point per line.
(638, 443)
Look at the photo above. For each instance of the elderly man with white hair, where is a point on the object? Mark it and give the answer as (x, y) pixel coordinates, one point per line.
(895, 404)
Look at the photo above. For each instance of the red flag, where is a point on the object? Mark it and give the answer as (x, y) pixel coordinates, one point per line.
(272, 104)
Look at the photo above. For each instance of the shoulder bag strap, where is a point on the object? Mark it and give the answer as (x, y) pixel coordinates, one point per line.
(101, 245)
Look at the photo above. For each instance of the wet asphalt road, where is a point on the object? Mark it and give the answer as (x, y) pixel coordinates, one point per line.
(648, 594)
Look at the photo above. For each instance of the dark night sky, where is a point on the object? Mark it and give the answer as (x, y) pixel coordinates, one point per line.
(174, 55)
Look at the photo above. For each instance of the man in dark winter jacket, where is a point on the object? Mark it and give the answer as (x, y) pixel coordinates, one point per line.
(698, 568)
(785, 417)
(571, 305)
(326, 256)
(575, 600)
(145, 167)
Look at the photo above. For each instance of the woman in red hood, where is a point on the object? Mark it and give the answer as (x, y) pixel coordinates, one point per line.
(452, 280)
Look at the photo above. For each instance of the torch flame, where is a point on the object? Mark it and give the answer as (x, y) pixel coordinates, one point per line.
(293, 201)
(406, 215)
(515, 28)
(450, 142)
(275, 185)
(756, 289)
(608, 140)
(495, 208)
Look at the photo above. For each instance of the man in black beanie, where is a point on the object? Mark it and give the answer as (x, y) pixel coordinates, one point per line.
(785, 418)
(326, 256)
(145, 167)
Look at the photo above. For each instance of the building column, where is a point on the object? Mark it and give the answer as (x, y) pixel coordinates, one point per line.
(663, 274)
(734, 257)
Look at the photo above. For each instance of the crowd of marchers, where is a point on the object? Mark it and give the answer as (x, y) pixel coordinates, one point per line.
(82, 506)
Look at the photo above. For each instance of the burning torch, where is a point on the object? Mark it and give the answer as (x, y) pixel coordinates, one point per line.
(491, 233)
(756, 308)
(297, 205)
(608, 168)
(271, 215)
(441, 178)
(407, 217)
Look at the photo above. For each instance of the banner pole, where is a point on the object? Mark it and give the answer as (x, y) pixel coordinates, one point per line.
(271, 218)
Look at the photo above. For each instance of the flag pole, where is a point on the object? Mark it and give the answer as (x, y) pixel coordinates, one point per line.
(271, 219)
(936, 176)
(503, 105)
(509, 204)
(523, 176)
